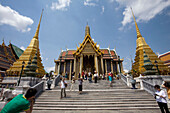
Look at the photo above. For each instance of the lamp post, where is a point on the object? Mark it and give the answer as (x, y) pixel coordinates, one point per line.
(156, 63)
(60, 65)
(119, 64)
(21, 73)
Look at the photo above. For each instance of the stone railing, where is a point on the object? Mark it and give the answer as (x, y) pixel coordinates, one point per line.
(39, 87)
(56, 80)
(124, 78)
(148, 87)
(127, 79)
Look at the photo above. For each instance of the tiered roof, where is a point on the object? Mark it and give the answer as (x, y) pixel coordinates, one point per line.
(69, 55)
(8, 55)
(105, 53)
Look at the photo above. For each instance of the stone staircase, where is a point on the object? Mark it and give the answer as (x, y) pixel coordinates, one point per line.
(95, 98)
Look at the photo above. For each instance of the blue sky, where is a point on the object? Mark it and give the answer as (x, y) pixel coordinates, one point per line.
(64, 21)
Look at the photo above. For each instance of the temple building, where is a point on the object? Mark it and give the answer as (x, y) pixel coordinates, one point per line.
(142, 46)
(166, 58)
(8, 55)
(28, 54)
(88, 57)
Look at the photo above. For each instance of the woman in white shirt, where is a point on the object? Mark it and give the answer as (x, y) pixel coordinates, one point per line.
(160, 97)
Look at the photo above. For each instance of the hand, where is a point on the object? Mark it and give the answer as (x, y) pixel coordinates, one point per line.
(156, 95)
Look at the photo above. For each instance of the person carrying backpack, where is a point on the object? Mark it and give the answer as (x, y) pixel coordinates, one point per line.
(63, 88)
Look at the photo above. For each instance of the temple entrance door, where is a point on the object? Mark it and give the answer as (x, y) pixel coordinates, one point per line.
(88, 63)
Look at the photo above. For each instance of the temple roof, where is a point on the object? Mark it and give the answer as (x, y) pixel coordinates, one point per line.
(17, 50)
(69, 55)
(86, 47)
(7, 56)
(88, 39)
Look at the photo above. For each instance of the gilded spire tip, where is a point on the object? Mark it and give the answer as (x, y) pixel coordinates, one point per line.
(87, 31)
(137, 29)
(38, 28)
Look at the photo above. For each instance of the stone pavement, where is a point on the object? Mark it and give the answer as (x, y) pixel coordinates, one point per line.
(97, 98)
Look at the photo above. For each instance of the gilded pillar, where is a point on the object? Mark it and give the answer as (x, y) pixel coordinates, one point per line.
(75, 67)
(96, 64)
(70, 69)
(56, 68)
(117, 67)
(111, 66)
(121, 67)
(59, 67)
(102, 65)
(64, 68)
(81, 63)
(106, 66)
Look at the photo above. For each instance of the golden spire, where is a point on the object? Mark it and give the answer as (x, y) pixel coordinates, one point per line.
(87, 31)
(38, 28)
(3, 42)
(137, 29)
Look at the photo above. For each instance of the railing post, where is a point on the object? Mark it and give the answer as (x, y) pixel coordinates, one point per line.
(141, 82)
(128, 80)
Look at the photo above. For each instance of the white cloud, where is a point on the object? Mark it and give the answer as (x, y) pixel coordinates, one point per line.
(22, 47)
(10, 17)
(102, 10)
(48, 69)
(61, 5)
(144, 10)
(89, 3)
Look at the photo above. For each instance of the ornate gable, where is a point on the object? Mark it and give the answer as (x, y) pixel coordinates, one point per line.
(88, 46)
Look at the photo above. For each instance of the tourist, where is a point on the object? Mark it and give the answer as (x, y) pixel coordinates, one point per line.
(86, 75)
(66, 75)
(90, 77)
(133, 82)
(110, 79)
(82, 74)
(160, 97)
(21, 103)
(72, 84)
(80, 85)
(63, 88)
(103, 76)
(72, 75)
(117, 76)
(79, 75)
(49, 82)
(95, 77)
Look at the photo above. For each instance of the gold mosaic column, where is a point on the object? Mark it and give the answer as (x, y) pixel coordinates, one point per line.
(117, 67)
(81, 63)
(64, 68)
(102, 65)
(59, 67)
(121, 67)
(75, 68)
(56, 68)
(106, 66)
(96, 64)
(111, 66)
(70, 69)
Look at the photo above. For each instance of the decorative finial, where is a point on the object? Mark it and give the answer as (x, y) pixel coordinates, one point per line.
(3, 43)
(87, 31)
(38, 28)
(77, 46)
(9, 41)
(137, 29)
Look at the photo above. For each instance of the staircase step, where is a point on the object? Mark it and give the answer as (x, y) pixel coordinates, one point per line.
(96, 103)
(105, 108)
(96, 97)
